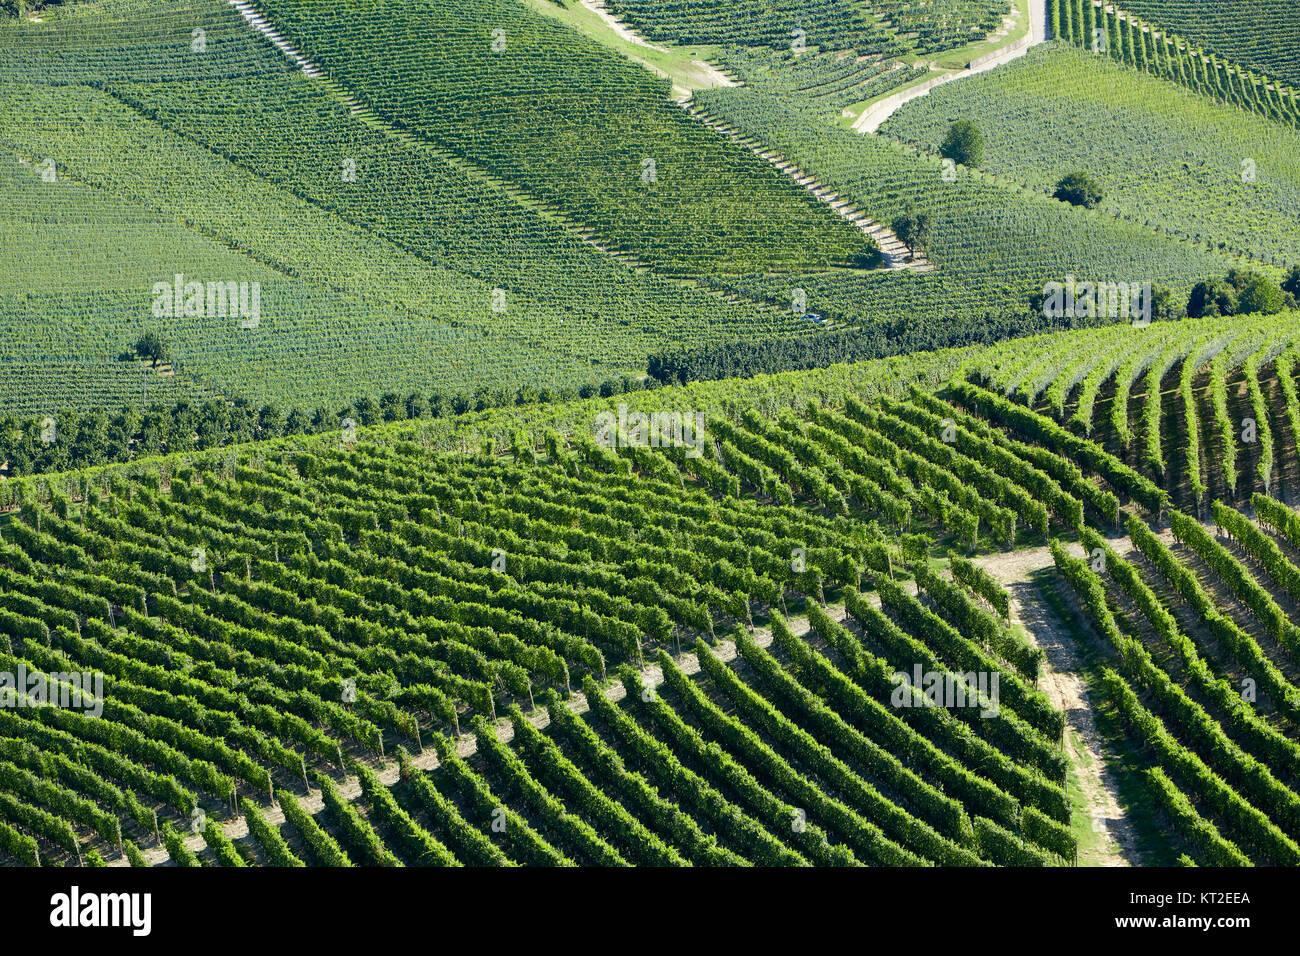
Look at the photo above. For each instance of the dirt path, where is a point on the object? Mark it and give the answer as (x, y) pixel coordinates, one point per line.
(875, 115)
(259, 23)
(703, 73)
(618, 26)
(1060, 680)
(891, 247)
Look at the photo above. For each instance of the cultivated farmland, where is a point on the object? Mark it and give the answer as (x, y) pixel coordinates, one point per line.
(514, 433)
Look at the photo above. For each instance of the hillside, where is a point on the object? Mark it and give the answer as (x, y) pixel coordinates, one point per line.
(1198, 169)
(1261, 35)
(414, 293)
(531, 102)
(656, 434)
(263, 583)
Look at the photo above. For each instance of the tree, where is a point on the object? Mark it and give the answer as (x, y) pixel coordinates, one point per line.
(391, 406)
(1163, 307)
(270, 421)
(1212, 298)
(1261, 295)
(912, 229)
(297, 422)
(415, 405)
(1239, 278)
(1078, 189)
(152, 346)
(322, 419)
(964, 143)
(1292, 282)
(366, 410)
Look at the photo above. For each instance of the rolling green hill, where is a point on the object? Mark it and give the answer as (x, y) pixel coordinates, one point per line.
(421, 274)
(993, 242)
(1162, 154)
(289, 622)
(868, 26)
(1261, 35)
(575, 125)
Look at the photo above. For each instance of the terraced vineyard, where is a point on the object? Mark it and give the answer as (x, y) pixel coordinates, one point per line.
(1194, 156)
(828, 81)
(869, 26)
(574, 125)
(1259, 35)
(993, 242)
(420, 272)
(1112, 32)
(593, 653)
(535, 506)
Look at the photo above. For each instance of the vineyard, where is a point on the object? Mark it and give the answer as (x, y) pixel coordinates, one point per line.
(422, 271)
(526, 100)
(993, 242)
(429, 647)
(1203, 171)
(515, 433)
(868, 26)
(827, 81)
(1121, 36)
(1259, 35)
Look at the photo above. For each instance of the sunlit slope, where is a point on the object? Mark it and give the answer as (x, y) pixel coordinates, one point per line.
(572, 123)
(1162, 154)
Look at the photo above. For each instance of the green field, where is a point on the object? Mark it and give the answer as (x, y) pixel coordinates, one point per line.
(514, 433)
(577, 565)
(868, 26)
(1163, 155)
(1260, 35)
(388, 282)
(574, 125)
(993, 242)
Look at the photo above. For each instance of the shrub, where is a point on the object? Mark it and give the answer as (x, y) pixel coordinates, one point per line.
(964, 143)
(1078, 189)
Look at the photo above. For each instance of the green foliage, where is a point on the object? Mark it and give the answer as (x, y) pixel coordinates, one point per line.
(634, 163)
(882, 25)
(1258, 35)
(963, 143)
(1180, 59)
(1185, 172)
(1078, 189)
(153, 347)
